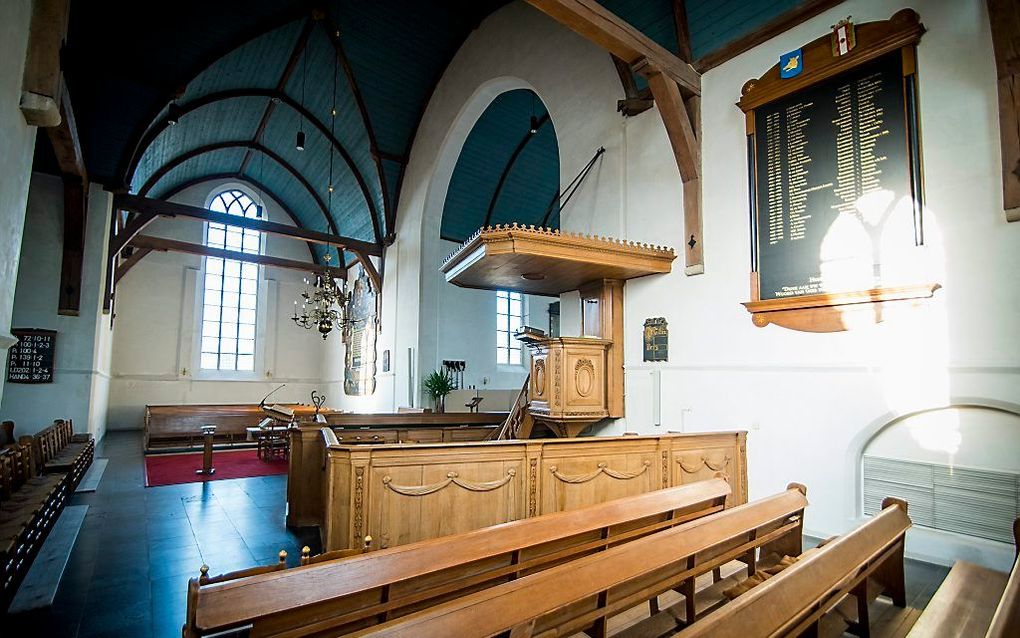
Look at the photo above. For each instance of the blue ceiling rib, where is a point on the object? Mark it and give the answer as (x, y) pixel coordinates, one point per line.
(248, 146)
(281, 141)
(503, 167)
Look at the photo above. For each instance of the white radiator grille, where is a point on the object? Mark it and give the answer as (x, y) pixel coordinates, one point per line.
(969, 501)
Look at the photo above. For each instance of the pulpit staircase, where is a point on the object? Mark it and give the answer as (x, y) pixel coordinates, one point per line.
(518, 423)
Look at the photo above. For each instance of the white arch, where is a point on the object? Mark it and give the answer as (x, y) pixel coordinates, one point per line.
(860, 441)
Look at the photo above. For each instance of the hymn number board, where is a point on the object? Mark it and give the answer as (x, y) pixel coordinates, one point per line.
(835, 177)
(30, 360)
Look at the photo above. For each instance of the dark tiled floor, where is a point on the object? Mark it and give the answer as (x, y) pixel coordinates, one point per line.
(138, 546)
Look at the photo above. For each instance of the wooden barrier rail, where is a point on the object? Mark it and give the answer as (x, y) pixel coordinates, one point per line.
(337, 597)
(582, 594)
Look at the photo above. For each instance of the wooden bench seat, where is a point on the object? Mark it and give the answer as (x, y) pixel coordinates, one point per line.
(970, 597)
(340, 596)
(582, 594)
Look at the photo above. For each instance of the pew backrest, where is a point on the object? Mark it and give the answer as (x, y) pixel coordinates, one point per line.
(348, 594)
(792, 602)
(574, 596)
(1006, 621)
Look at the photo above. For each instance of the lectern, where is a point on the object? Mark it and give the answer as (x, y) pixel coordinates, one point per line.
(208, 434)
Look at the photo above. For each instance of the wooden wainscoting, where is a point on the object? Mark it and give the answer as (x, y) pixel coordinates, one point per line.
(404, 493)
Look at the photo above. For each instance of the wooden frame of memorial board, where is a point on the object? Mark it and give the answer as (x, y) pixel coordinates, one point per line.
(836, 182)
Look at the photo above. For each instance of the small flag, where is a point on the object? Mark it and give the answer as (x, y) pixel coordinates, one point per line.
(791, 64)
(843, 38)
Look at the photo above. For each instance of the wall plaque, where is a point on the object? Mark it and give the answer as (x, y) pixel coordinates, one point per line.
(835, 178)
(30, 360)
(360, 338)
(656, 339)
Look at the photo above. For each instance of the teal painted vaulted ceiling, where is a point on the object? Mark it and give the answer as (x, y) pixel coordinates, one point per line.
(505, 173)
(241, 78)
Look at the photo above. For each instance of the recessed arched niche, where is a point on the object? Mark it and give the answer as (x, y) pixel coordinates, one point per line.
(508, 169)
(956, 466)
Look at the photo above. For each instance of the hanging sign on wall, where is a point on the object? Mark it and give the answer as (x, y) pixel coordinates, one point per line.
(656, 342)
(360, 338)
(30, 360)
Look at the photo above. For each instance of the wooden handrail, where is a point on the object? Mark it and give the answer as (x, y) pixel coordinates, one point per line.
(428, 569)
(666, 559)
(512, 426)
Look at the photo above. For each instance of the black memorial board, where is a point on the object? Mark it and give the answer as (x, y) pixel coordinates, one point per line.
(30, 360)
(832, 171)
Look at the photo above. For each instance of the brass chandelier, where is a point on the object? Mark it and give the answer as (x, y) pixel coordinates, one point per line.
(324, 304)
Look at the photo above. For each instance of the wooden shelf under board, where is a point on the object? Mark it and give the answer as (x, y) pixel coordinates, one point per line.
(538, 261)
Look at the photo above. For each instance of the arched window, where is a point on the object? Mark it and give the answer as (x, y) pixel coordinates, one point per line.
(230, 300)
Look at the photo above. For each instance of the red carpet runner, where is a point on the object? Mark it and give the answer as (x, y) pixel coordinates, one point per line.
(173, 469)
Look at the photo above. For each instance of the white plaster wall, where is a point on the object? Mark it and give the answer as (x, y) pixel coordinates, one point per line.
(464, 328)
(154, 354)
(81, 367)
(516, 47)
(810, 401)
(17, 146)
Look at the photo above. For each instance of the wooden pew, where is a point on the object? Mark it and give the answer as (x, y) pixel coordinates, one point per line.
(583, 593)
(59, 450)
(974, 601)
(181, 425)
(29, 507)
(793, 602)
(340, 596)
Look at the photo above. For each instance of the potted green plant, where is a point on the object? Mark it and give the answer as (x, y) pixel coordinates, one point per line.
(438, 384)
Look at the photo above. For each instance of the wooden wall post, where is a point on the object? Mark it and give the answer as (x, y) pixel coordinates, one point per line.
(75, 217)
(1004, 16)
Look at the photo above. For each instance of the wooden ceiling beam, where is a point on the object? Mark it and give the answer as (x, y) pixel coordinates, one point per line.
(41, 79)
(253, 182)
(147, 244)
(667, 77)
(596, 23)
(156, 207)
(370, 269)
(681, 126)
(64, 138)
